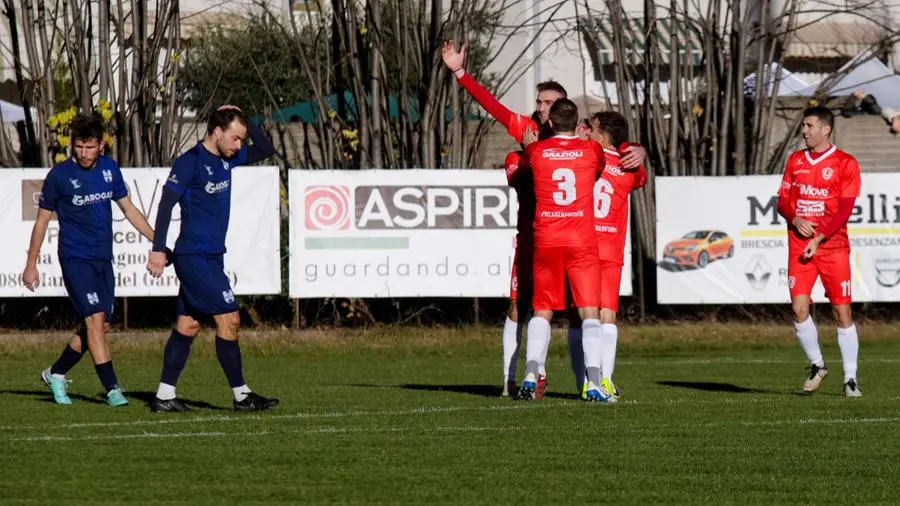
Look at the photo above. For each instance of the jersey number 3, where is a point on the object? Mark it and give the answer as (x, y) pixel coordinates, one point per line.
(565, 179)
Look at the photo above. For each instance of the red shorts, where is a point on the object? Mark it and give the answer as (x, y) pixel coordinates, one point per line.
(610, 282)
(554, 265)
(521, 280)
(833, 268)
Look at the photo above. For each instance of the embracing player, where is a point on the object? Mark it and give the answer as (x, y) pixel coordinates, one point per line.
(517, 125)
(609, 129)
(563, 170)
(818, 191)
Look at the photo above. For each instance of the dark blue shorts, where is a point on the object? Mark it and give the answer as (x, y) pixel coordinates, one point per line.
(91, 285)
(205, 289)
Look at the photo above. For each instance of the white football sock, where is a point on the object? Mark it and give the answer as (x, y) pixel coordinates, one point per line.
(609, 337)
(542, 365)
(592, 342)
(165, 392)
(809, 341)
(538, 329)
(576, 356)
(240, 393)
(848, 341)
(512, 338)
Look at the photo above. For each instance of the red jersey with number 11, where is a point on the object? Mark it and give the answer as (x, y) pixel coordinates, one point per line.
(564, 170)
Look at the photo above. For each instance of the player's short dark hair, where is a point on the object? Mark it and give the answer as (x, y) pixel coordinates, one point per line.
(552, 86)
(824, 115)
(223, 118)
(613, 124)
(564, 115)
(86, 127)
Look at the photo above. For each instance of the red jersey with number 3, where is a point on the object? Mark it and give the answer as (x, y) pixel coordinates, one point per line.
(564, 170)
(815, 183)
(611, 205)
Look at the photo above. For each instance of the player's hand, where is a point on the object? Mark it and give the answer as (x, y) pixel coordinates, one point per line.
(452, 58)
(229, 106)
(30, 276)
(805, 227)
(529, 137)
(583, 131)
(811, 248)
(156, 263)
(634, 156)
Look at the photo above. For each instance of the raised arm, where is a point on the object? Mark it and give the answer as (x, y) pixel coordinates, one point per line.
(262, 147)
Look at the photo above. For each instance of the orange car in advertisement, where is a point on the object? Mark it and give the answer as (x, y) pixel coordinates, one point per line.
(699, 248)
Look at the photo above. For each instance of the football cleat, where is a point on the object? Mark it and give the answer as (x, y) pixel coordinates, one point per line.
(168, 406)
(526, 392)
(57, 386)
(255, 402)
(814, 379)
(596, 394)
(611, 389)
(584, 388)
(116, 397)
(541, 387)
(851, 389)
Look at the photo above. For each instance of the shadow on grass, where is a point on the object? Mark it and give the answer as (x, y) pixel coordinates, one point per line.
(712, 386)
(44, 396)
(147, 398)
(479, 390)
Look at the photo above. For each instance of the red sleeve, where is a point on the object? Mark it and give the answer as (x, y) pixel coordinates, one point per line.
(512, 166)
(514, 123)
(845, 209)
(785, 209)
(640, 179)
(850, 179)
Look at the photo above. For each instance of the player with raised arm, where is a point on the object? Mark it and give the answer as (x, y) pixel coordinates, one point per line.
(818, 191)
(80, 191)
(563, 170)
(518, 126)
(611, 192)
(200, 182)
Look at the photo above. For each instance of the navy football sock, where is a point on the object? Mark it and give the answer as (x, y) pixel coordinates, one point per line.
(107, 375)
(229, 353)
(175, 357)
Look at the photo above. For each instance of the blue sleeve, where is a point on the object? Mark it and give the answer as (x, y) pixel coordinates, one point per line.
(120, 191)
(49, 193)
(261, 148)
(164, 218)
(181, 175)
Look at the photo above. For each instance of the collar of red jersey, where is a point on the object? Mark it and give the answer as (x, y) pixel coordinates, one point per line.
(821, 156)
(565, 137)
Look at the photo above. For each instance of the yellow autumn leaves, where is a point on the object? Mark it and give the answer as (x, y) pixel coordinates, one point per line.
(59, 125)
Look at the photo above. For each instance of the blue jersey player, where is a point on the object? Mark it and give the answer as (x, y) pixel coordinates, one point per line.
(200, 182)
(80, 191)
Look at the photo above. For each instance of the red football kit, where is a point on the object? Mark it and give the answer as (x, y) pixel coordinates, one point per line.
(813, 186)
(521, 280)
(515, 124)
(563, 171)
(611, 222)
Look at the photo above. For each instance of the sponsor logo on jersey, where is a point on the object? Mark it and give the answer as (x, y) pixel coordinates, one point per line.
(208, 169)
(91, 198)
(75, 183)
(810, 208)
(107, 176)
(93, 299)
(554, 154)
(213, 188)
(808, 190)
(228, 296)
(614, 170)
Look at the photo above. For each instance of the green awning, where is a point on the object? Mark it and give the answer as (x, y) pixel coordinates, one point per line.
(690, 47)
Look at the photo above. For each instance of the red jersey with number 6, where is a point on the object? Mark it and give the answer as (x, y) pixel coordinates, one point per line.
(611, 205)
(564, 169)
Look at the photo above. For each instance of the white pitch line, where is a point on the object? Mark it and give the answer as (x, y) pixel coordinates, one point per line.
(292, 416)
(142, 435)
